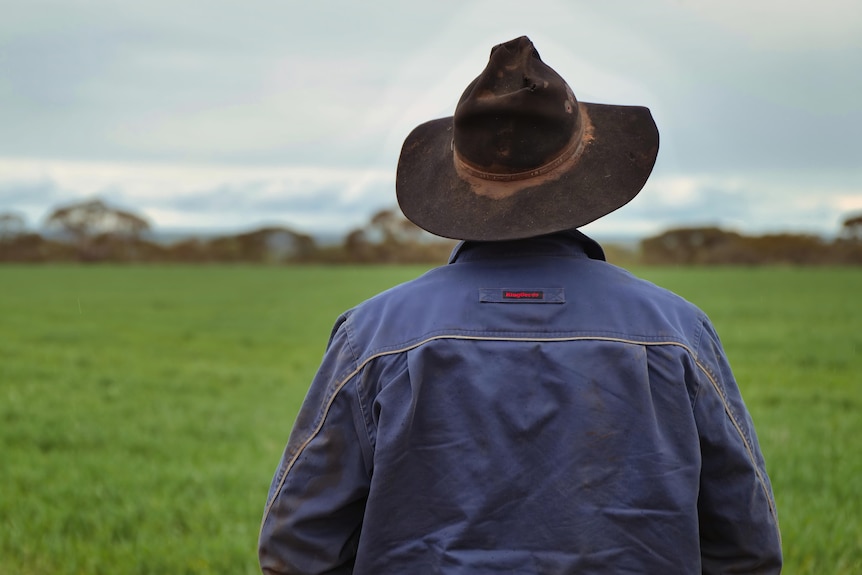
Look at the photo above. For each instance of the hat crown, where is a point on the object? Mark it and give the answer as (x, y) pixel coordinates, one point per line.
(521, 156)
(517, 115)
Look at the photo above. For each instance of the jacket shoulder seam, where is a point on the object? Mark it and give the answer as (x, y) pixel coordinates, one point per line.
(361, 364)
(738, 427)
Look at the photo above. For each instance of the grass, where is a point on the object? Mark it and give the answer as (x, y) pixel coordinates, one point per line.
(143, 409)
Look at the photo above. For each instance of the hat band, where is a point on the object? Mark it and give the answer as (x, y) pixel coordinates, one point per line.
(572, 149)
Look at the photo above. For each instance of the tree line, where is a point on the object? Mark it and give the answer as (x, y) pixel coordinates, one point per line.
(714, 246)
(93, 231)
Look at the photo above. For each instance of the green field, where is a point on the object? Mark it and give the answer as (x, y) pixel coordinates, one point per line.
(143, 409)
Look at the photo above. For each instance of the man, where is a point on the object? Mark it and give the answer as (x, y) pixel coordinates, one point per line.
(528, 408)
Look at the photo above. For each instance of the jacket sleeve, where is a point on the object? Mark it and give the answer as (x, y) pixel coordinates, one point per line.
(738, 521)
(317, 499)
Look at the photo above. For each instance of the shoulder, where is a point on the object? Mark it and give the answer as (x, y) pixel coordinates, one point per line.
(623, 288)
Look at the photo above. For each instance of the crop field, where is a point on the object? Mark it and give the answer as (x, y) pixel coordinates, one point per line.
(143, 409)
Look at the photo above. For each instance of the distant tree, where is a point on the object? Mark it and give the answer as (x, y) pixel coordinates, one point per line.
(848, 245)
(711, 246)
(17, 244)
(357, 247)
(392, 228)
(691, 246)
(274, 245)
(188, 251)
(851, 229)
(94, 217)
(390, 237)
(96, 229)
(266, 245)
(788, 249)
(12, 225)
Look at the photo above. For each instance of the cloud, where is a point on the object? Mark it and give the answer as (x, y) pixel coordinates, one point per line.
(267, 110)
(750, 203)
(783, 24)
(196, 196)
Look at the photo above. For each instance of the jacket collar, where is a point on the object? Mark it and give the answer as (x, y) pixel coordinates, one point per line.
(569, 243)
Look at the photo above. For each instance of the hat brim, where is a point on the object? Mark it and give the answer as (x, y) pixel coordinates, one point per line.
(612, 168)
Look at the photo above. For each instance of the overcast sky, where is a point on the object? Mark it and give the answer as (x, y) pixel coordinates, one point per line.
(230, 115)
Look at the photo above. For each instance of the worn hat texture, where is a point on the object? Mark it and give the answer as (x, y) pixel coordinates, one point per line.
(521, 157)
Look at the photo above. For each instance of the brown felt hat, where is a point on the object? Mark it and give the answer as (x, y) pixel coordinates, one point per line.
(522, 157)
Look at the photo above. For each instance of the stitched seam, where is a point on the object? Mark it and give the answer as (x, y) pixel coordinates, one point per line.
(337, 389)
(487, 335)
(365, 419)
(289, 466)
(698, 333)
(348, 327)
(696, 394)
(745, 442)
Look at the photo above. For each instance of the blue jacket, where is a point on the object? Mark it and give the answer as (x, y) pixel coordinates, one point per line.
(529, 409)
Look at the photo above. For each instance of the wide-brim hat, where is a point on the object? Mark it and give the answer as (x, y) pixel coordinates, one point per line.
(521, 156)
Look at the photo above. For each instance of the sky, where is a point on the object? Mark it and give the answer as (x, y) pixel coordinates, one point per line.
(206, 115)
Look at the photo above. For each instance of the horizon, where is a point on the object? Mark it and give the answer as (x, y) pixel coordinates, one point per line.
(166, 234)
